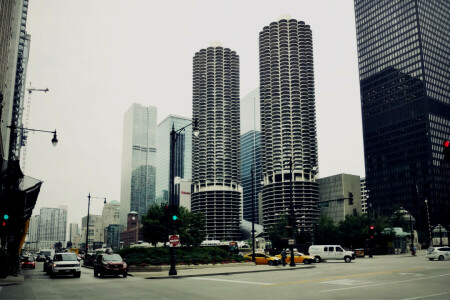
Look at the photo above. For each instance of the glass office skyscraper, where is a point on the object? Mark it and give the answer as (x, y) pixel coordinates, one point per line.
(403, 52)
(288, 122)
(138, 161)
(216, 168)
(251, 158)
(183, 158)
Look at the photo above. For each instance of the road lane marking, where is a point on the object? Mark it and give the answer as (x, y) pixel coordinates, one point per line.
(384, 283)
(345, 277)
(421, 297)
(351, 282)
(227, 280)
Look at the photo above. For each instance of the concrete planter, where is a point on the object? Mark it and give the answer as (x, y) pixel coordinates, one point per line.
(165, 268)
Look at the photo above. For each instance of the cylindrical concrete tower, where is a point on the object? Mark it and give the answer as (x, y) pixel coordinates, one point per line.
(288, 123)
(216, 151)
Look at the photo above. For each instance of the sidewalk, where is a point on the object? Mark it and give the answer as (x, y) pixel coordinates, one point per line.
(217, 270)
(10, 280)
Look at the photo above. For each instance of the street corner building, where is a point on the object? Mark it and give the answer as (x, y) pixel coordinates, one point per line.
(217, 190)
(288, 123)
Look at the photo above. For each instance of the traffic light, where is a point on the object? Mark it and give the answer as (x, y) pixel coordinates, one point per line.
(371, 231)
(446, 151)
(175, 213)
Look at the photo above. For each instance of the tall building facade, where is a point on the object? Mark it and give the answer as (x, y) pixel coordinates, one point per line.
(14, 48)
(340, 195)
(138, 161)
(251, 159)
(288, 122)
(52, 226)
(74, 231)
(216, 174)
(95, 228)
(364, 196)
(33, 233)
(404, 70)
(250, 112)
(183, 157)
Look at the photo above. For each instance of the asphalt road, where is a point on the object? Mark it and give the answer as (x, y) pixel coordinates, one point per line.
(382, 277)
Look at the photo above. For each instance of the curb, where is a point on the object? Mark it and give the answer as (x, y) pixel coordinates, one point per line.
(12, 280)
(227, 273)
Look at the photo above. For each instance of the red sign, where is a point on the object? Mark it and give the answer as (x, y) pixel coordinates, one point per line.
(174, 240)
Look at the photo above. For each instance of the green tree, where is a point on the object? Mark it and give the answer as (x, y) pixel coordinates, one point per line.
(327, 232)
(278, 233)
(191, 227)
(353, 231)
(157, 225)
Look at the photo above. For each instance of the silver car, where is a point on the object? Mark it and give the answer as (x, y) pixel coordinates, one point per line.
(440, 253)
(65, 264)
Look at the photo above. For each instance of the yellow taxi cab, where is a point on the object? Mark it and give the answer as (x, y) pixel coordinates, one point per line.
(298, 258)
(264, 259)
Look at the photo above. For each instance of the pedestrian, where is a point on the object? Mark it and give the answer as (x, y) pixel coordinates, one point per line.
(283, 257)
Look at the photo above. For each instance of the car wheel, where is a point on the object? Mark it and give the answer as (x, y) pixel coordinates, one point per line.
(101, 274)
(95, 273)
(347, 259)
(317, 259)
(431, 258)
(125, 275)
(306, 261)
(441, 257)
(77, 275)
(270, 262)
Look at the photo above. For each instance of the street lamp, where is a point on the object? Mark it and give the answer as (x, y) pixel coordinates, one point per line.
(173, 141)
(87, 220)
(54, 139)
(292, 264)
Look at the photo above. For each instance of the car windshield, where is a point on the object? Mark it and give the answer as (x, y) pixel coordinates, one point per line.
(65, 257)
(112, 257)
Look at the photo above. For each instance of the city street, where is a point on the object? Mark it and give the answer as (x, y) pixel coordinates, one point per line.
(382, 277)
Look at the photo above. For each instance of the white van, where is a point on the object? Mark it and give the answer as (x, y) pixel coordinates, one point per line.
(326, 252)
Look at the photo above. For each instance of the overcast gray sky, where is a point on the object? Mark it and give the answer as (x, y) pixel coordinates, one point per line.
(97, 57)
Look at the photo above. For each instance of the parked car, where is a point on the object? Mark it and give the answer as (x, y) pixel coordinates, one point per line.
(65, 264)
(326, 252)
(298, 258)
(27, 262)
(264, 259)
(440, 253)
(110, 264)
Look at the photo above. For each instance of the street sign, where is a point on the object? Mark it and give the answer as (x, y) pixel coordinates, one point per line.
(323, 204)
(174, 240)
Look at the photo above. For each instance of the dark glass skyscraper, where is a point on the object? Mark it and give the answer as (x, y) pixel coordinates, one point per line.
(403, 52)
(251, 158)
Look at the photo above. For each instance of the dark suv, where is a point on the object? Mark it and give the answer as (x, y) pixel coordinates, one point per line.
(110, 264)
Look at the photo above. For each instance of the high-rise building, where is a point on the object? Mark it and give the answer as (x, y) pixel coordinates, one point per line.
(14, 48)
(95, 225)
(404, 70)
(52, 226)
(111, 213)
(250, 112)
(339, 195)
(138, 161)
(251, 159)
(364, 196)
(33, 233)
(288, 122)
(216, 175)
(74, 231)
(183, 151)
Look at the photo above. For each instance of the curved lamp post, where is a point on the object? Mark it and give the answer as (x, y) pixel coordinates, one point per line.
(174, 134)
(87, 221)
